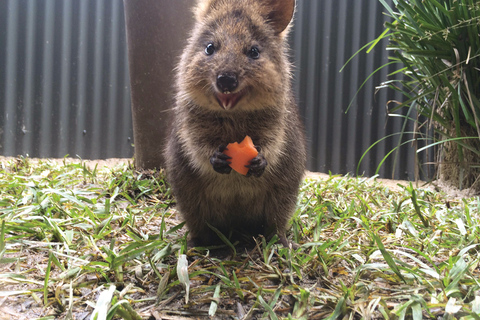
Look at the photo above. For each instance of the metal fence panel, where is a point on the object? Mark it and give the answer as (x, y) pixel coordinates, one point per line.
(64, 83)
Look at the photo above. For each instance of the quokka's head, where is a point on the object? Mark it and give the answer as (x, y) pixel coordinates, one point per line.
(236, 57)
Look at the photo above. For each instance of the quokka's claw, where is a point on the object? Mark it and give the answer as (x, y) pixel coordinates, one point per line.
(257, 166)
(219, 161)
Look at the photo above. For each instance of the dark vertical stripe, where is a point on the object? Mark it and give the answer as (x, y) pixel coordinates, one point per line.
(81, 128)
(312, 73)
(339, 51)
(10, 110)
(99, 44)
(29, 90)
(65, 112)
(3, 80)
(323, 87)
(353, 150)
(47, 117)
(113, 114)
(127, 131)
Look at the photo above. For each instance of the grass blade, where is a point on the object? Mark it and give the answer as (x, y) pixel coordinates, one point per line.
(47, 277)
(388, 258)
(215, 300)
(223, 238)
(182, 273)
(101, 308)
(268, 308)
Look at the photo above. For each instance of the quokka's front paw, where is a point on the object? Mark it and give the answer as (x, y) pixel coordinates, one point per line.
(220, 162)
(257, 165)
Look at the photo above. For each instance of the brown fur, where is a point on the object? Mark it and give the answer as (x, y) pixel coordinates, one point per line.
(266, 112)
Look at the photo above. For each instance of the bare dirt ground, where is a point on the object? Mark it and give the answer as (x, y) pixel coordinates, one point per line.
(437, 185)
(91, 164)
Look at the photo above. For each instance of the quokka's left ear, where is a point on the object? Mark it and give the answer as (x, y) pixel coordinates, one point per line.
(280, 13)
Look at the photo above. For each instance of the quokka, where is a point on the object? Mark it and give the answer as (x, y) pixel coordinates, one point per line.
(233, 80)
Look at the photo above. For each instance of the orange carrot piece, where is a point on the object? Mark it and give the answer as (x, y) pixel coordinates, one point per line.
(241, 153)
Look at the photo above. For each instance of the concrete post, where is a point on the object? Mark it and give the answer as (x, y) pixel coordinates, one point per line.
(156, 33)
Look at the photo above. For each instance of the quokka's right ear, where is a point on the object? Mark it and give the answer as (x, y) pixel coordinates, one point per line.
(280, 13)
(203, 7)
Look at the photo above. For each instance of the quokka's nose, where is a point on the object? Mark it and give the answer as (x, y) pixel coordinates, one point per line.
(227, 82)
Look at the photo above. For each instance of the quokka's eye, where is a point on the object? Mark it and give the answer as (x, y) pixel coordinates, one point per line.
(254, 53)
(209, 49)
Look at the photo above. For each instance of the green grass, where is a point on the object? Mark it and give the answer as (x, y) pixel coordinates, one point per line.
(105, 243)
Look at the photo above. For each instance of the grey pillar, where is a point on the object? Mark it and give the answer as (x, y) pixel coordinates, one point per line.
(156, 33)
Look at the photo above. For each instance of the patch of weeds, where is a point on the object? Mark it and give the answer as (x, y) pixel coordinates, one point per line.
(63, 224)
(134, 185)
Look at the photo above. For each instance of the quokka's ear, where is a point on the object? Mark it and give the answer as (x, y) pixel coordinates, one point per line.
(280, 13)
(203, 7)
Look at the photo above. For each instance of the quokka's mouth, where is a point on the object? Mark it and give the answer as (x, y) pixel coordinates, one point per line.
(228, 100)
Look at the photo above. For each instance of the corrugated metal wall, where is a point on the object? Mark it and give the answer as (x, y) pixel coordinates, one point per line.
(64, 85)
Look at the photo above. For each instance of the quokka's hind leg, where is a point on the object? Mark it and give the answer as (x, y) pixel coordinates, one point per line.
(201, 237)
(279, 210)
(201, 230)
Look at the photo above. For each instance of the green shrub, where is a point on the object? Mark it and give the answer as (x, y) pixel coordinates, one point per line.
(437, 46)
